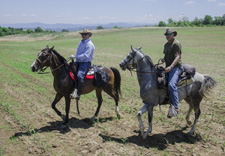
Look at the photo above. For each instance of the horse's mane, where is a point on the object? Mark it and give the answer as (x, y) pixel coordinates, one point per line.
(149, 59)
(61, 58)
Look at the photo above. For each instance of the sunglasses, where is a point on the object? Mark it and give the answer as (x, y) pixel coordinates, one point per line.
(169, 34)
(84, 34)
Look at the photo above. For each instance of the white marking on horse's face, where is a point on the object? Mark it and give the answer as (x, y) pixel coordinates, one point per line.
(33, 66)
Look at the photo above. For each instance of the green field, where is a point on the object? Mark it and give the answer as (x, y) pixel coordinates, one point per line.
(31, 127)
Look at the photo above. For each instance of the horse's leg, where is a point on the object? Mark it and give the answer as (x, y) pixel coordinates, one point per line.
(56, 100)
(139, 114)
(196, 102)
(188, 100)
(67, 99)
(117, 108)
(150, 117)
(115, 96)
(99, 97)
(77, 103)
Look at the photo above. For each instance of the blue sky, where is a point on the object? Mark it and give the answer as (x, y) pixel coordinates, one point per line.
(106, 11)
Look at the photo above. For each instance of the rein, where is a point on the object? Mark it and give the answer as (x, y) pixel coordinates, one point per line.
(133, 69)
(57, 67)
(52, 70)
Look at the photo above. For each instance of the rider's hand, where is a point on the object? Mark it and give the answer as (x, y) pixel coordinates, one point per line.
(168, 69)
(72, 56)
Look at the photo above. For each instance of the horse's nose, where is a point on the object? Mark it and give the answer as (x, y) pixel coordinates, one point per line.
(122, 66)
(32, 68)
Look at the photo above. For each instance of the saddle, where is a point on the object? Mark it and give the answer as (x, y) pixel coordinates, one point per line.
(184, 79)
(94, 72)
(89, 74)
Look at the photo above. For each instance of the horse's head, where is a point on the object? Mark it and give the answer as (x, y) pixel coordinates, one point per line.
(132, 59)
(43, 59)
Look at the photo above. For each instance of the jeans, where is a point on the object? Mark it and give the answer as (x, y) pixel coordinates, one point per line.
(82, 69)
(173, 77)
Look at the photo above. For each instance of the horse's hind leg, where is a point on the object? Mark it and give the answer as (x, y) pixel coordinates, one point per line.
(99, 97)
(115, 96)
(188, 100)
(196, 102)
(117, 108)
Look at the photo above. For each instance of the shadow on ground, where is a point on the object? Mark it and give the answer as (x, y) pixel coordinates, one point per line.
(159, 141)
(57, 126)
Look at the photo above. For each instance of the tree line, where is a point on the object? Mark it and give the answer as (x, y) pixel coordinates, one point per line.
(199, 22)
(13, 31)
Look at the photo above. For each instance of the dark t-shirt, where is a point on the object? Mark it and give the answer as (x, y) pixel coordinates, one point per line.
(170, 51)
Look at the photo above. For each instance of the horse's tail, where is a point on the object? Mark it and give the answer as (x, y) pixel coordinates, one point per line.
(207, 86)
(117, 81)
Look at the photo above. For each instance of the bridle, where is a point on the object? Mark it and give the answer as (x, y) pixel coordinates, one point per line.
(48, 59)
(134, 65)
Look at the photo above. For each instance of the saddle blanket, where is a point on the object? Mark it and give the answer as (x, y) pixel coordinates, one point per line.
(90, 77)
(185, 82)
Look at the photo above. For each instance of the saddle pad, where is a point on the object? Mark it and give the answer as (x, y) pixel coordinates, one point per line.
(90, 77)
(185, 82)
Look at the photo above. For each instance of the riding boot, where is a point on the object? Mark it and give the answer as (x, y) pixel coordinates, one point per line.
(73, 94)
(79, 88)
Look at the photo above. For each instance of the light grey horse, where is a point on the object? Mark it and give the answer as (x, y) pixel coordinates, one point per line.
(192, 93)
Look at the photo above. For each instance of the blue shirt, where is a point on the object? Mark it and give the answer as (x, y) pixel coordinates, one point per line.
(85, 51)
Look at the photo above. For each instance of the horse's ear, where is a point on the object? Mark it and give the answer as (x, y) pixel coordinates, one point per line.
(132, 48)
(47, 47)
(52, 48)
(139, 48)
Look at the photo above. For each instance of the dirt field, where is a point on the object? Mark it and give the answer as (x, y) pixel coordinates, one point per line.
(29, 126)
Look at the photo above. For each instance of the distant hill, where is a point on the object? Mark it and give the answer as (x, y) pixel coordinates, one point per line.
(58, 27)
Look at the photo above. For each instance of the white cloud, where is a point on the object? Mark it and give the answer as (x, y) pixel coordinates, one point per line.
(82, 18)
(147, 16)
(7, 15)
(221, 4)
(211, 0)
(190, 2)
(150, 0)
(27, 15)
(108, 18)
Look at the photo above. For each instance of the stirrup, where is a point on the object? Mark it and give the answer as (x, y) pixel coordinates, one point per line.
(73, 94)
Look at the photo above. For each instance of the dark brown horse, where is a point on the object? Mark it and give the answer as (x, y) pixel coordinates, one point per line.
(64, 85)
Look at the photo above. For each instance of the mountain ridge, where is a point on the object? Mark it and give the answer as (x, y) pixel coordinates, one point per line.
(72, 27)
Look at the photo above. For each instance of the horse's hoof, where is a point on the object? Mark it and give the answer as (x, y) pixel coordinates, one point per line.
(93, 118)
(63, 117)
(189, 123)
(118, 116)
(142, 130)
(144, 136)
(191, 133)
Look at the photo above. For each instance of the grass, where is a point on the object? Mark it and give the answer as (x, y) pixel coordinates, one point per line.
(28, 96)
